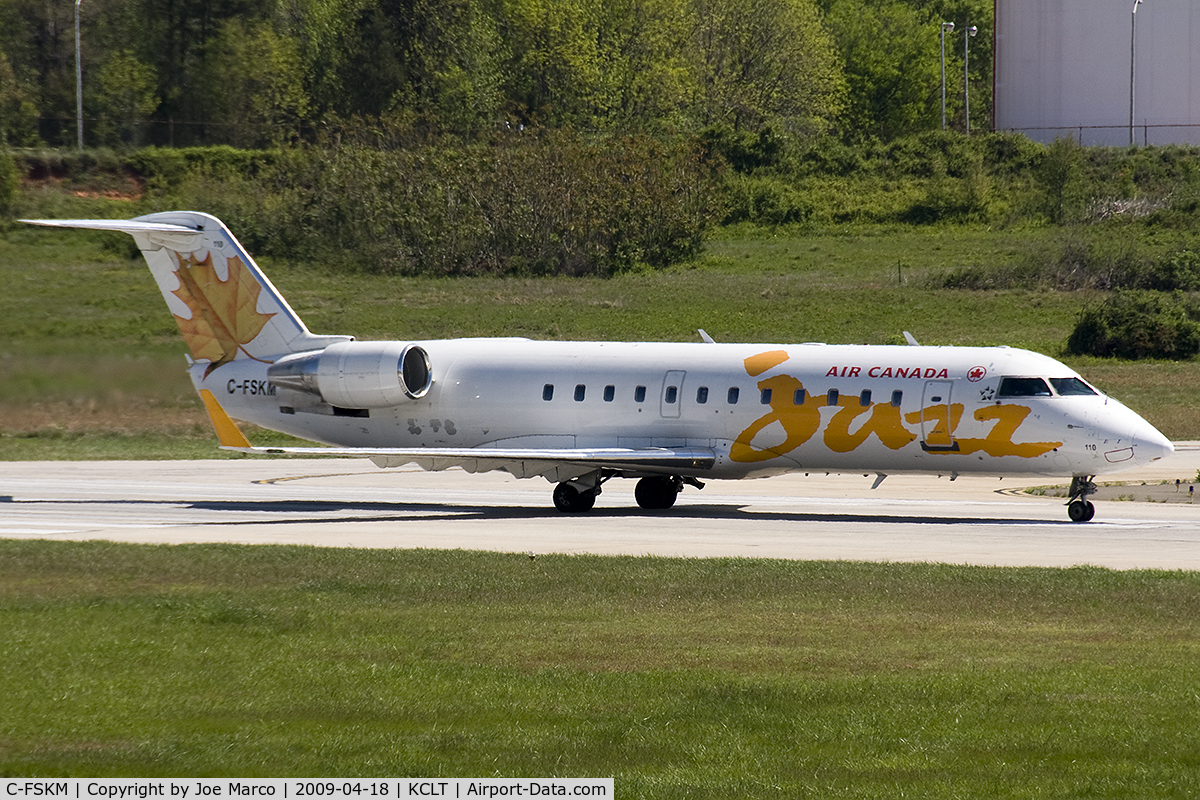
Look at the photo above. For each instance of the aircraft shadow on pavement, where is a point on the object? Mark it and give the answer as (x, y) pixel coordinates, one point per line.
(411, 512)
(290, 512)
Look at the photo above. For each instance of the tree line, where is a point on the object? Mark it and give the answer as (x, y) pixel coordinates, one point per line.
(255, 73)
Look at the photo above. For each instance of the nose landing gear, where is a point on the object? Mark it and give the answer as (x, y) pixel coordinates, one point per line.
(1079, 509)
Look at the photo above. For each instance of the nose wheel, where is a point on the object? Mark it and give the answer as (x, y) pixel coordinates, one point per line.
(1079, 508)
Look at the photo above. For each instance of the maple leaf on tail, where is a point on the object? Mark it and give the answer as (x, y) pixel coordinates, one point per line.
(224, 312)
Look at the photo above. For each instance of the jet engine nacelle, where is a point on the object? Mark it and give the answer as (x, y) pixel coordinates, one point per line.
(358, 374)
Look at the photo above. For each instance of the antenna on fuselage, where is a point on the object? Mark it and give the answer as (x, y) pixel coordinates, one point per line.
(908, 337)
(704, 335)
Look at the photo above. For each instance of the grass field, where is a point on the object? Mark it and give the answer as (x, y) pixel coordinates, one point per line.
(93, 365)
(680, 677)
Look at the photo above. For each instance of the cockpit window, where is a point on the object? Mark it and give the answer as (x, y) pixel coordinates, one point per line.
(1070, 386)
(1023, 387)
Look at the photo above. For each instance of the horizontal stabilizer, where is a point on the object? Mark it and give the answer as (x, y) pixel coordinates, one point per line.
(225, 307)
(123, 225)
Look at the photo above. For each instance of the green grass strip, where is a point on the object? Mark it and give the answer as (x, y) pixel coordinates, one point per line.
(680, 677)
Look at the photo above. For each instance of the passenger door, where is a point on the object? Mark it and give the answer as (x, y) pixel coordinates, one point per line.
(936, 433)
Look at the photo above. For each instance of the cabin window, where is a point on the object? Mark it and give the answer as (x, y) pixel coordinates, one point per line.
(732, 397)
(671, 396)
(765, 397)
(639, 394)
(1023, 387)
(831, 399)
(702, 395)
(798, 398)
(897, 398)
(548, 392)
(610, 392)
(1071, 386)
(864, 399)
(580, 391)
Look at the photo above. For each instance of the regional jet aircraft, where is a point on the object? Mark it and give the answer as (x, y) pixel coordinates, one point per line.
(581, 413)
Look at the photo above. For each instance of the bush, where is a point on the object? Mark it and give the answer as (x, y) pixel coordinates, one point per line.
(1137, 324)
(1179, 272)
(764, 200)
(745, 151)
(532, 202)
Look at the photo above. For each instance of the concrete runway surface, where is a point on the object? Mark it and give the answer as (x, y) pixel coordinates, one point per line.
(351, 503)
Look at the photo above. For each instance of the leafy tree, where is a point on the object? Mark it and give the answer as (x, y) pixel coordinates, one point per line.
(890, 52)
(17, 113)
(554, 72)
(758, 60)
(643, 51)
(261, 97)
(127, 95)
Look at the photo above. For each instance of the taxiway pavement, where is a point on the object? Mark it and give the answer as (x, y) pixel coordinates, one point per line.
(351, 503)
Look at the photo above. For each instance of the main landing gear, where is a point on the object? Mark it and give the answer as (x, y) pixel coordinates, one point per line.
(653, 492)
(658, 491)
(1079, 509)
(574, 497)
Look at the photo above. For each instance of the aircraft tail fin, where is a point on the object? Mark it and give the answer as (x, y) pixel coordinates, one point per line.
(225, 306)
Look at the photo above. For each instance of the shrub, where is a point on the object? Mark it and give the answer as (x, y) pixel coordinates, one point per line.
(765, 200)
(1060, 178)
(1137, 324)
(532, 202)
(1179, 272)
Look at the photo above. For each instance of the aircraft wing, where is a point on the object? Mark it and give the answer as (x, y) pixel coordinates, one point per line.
(552, 463)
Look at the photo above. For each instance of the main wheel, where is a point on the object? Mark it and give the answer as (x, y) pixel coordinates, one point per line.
(658, 492)
(569, 499)
(1081, 511)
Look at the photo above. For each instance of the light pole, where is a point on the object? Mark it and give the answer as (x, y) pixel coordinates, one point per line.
(79, 82)
(967, 34)
(1132, 63)
(946, 27)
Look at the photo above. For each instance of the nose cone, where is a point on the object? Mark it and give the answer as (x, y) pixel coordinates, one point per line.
(1149, 445)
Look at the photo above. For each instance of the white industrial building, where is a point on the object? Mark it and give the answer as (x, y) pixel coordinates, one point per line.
(1063, 67)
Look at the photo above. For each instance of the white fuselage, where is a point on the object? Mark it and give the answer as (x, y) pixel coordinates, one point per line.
(762, 409)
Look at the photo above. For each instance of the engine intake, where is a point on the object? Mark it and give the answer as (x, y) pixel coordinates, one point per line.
(358, 374)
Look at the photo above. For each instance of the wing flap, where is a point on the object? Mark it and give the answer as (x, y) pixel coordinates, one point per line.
(656, 459)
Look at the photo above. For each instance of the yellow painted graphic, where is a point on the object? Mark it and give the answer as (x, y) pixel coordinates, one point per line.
(758, 364)
(999, 441)
(944, 423)
(800, 422)
(227, 430)
(224, 312)
(884, 422)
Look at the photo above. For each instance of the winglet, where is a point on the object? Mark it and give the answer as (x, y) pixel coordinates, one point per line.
(227, 431)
